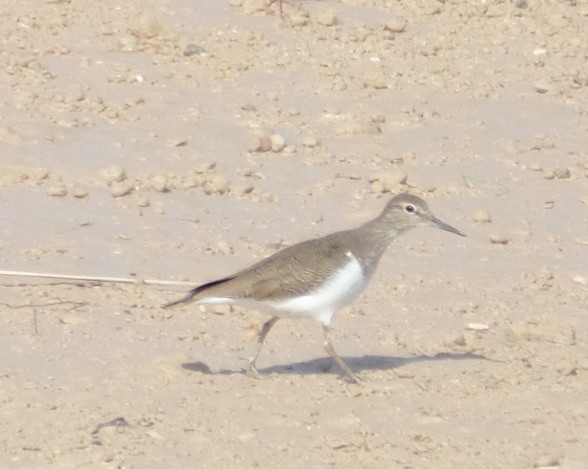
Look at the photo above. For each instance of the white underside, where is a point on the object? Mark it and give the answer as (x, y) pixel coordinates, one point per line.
(338, 291)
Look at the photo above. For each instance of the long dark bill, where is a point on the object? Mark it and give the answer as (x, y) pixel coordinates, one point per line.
(444, 226)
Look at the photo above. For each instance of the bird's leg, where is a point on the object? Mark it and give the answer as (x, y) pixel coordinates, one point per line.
(267, 326)
(281, 6)
(350, 376)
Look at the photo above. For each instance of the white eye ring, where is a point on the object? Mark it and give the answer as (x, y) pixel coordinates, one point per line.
(409, 208)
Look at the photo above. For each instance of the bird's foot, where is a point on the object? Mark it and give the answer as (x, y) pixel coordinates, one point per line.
(352, 378)
(252, 371)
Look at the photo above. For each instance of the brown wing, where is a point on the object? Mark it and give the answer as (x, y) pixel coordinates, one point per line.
(293, 270)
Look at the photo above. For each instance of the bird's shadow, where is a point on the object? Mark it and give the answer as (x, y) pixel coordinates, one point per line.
(326, 364)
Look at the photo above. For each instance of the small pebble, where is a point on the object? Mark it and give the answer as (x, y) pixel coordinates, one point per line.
(242, 189)
(581, 280)
(216, 185)
(310, 141)
(498, 239)
(299, 18)
(278, 142)
(290, 150)
(543, 88)
(112, 174)
(178, 143)
(57, 191)
(193, 49)
(377, 187)
(160, 183)
(326, 18)
(80, 192)
(251, 7)
(120, 189)
(432, 9)
(260, 144)
(543, 274)
(396, 25)
(539, 51)
(358, 126)
(248, 107)
(403, 373)
(74, 95)
(224, 248)
(155, 435)
(561, 173)
(68, 123)
(458, 340)
(388, 181)
(146, 27)
(476, 326)
(482, 216)
(143, 202)
(127, 43)
(546, 461)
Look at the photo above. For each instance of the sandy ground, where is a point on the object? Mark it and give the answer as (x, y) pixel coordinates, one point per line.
(133, 141)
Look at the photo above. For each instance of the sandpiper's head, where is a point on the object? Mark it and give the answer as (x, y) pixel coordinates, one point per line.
(406, 211)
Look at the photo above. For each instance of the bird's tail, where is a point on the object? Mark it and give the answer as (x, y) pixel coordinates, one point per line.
(195, 292)
(185, 299)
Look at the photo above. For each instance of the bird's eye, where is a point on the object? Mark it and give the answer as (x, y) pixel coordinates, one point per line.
(409, 208)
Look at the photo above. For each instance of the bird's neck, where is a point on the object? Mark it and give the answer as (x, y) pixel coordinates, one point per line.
(375, 239)
(380, 230)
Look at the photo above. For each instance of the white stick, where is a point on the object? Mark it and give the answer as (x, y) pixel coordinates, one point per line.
(137, 281)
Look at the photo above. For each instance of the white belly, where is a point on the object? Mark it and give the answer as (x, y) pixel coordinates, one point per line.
(338, 291)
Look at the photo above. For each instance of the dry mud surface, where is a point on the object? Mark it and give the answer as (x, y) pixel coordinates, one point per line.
(182, 140)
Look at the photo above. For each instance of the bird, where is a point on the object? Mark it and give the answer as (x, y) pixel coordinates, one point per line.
(318, 277)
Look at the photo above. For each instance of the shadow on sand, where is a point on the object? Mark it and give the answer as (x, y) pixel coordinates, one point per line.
(326, 365)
